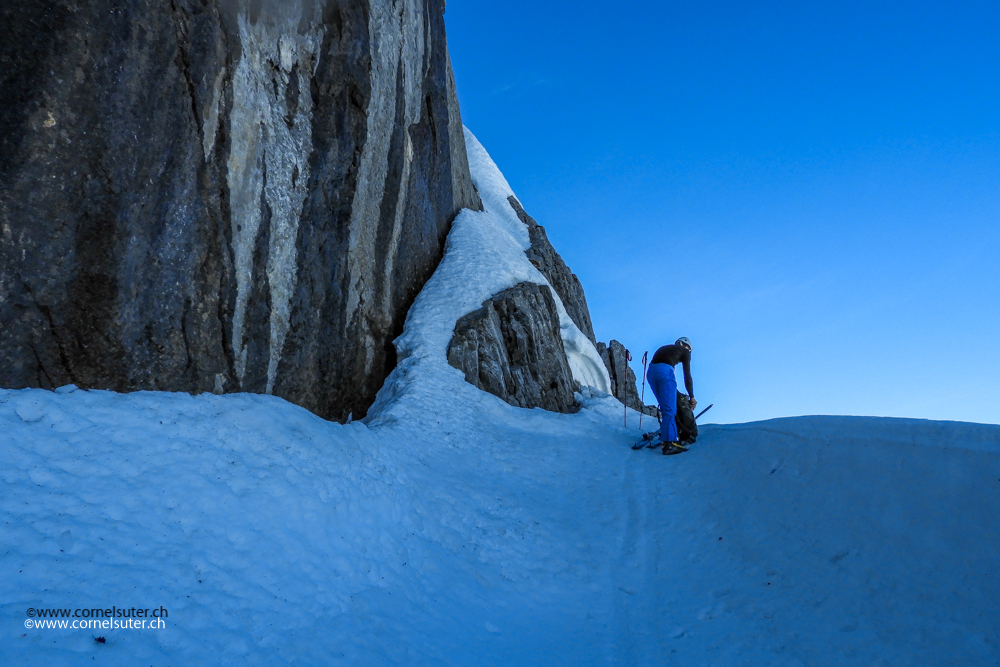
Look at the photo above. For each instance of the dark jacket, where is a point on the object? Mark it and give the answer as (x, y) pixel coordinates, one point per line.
(673, 355)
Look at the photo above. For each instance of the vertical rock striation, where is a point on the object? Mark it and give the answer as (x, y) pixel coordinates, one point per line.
(511, 348)
(201, 195)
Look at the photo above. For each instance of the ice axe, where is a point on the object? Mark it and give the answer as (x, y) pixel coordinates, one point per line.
(703, 411)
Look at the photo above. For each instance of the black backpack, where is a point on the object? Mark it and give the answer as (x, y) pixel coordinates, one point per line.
(687, 429)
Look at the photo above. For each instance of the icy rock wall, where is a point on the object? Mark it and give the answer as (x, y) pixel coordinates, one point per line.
(222, 196)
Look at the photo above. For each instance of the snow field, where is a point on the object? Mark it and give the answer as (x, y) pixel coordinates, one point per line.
(494, 535)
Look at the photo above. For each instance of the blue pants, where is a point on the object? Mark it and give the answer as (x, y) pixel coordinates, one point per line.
(664, 385)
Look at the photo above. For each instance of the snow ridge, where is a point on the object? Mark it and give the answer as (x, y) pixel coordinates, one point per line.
(484, 255)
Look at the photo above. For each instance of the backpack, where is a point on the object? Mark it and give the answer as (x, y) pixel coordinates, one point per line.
(687, 429)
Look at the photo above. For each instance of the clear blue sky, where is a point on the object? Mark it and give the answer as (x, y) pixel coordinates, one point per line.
(809, 191)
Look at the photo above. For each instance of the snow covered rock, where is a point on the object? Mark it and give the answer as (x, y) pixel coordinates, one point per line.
(511, 348)
(484, 256)
(545, 258)
(205, 195)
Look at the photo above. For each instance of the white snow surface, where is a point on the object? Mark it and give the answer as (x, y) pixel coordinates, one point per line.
(471, 532)
(450, 528)
(484, 255)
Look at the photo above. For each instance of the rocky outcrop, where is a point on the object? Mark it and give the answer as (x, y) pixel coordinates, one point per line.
(545, 258)
(623, 380)
(511, 348)
(201, 195)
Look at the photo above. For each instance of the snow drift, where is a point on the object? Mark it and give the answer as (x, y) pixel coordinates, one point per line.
(452, 528)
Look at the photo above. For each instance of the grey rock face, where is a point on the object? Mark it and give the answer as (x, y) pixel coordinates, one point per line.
(511, 348)
(545, 258)
(623, 380)
(203, 195)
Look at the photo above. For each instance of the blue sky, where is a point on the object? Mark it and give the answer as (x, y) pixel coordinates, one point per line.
(809, 191)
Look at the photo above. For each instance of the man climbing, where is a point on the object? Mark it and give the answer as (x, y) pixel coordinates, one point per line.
(664, 385)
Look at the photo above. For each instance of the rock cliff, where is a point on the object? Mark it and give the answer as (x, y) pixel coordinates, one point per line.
(511, 348)
(202, 195)
(623, 381)
(551, 265)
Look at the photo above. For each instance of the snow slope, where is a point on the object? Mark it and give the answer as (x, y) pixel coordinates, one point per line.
(452, 528)
(485, 255)
(493, 535)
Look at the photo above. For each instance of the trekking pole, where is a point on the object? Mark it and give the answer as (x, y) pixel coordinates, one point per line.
(704, 411)
(645, 355)
(628, 357)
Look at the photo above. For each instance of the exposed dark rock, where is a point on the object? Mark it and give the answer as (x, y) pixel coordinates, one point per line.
(551, 265)
(511, 348)
(623, 380)
(195, 197)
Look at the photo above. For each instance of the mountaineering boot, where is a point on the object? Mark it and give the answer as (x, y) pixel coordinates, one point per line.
(670, 448)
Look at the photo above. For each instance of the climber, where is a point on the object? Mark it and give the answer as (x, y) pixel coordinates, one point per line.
(664, 385)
